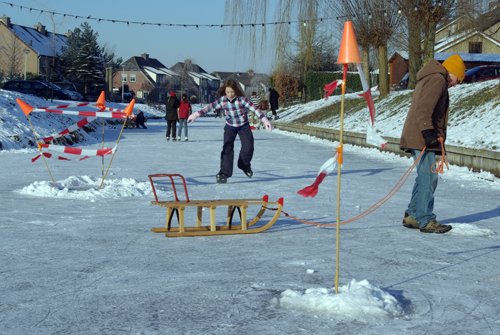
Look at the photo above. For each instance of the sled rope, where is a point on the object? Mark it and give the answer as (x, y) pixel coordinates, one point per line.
(371, 209)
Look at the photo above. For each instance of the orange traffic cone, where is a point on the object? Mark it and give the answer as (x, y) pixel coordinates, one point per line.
(349, 52)
(101, 101)
(130, 108)
(24, 107)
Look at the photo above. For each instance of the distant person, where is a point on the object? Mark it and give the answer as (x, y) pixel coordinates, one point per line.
(140, 120)
(274, 102)
(184, 112)
(424, 132)
(236, 108)
(255, 100)
(171, 116)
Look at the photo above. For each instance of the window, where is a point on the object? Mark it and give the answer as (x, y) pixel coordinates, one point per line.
(475, 47)
(132, 78)
(124, 77)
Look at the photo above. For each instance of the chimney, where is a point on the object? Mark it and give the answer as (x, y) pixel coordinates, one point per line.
(41, 28)
(145, 56)
(6, 20)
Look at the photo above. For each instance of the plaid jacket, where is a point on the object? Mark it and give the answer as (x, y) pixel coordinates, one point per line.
(235, 111)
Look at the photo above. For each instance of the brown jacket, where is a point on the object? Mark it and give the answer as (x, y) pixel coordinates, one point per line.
(429, 107)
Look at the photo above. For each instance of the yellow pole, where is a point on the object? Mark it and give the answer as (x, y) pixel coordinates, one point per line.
(128, 111)
(102, 146)
(339, 173)
(113, 156)
(40, 149)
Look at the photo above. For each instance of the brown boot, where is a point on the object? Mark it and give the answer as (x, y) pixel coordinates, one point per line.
(410, 222)
(435, 227)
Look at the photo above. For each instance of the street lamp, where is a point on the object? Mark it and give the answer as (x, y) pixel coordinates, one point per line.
(123, 82)
(26, 52)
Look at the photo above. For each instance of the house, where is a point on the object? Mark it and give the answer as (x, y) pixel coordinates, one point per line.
(146, 77)
(196, 82)
(477, 41)
(249, 81)
(398, 66)
(466, 35)
(26, 50)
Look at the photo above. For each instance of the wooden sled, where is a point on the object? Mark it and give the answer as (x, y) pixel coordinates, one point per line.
(178, 208)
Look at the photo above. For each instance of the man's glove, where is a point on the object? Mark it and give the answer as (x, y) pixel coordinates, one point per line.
(267, 124)
(193, 117)
(430, 138)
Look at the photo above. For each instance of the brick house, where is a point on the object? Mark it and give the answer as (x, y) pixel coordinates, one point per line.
(29, 51)
(147, 78)
(249, 81)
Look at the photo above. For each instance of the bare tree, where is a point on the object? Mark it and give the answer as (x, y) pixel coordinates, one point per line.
(12, 57)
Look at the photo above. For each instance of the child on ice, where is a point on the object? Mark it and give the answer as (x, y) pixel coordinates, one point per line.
(236, 108)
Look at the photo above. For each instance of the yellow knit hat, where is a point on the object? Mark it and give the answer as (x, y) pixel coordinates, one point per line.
(455, 65)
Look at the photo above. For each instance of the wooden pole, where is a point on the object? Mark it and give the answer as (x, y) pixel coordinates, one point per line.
(339, 174)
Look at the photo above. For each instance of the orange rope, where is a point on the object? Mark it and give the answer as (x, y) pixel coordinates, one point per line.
(372, 208)
(438, 167)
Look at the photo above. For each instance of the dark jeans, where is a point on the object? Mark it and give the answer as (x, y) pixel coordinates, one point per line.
(171, 126)
(246, 151)
(421, 205)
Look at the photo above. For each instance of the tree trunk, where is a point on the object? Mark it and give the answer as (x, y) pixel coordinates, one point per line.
(365, 58)
(429, 39)
(414, 50)
(383, 78)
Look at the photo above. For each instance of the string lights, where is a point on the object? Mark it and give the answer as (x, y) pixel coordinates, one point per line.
(197, 26)
(160, 24)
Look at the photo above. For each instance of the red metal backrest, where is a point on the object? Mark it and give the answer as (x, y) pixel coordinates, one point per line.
(171, 176)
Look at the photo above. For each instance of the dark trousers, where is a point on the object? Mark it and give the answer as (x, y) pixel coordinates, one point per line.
(171, 126)
(246, 151)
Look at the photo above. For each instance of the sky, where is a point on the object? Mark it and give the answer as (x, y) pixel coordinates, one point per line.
(76, 259)
(211, 48)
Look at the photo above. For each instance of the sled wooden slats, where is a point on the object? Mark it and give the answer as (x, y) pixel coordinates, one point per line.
(233, 205)
(178, 207)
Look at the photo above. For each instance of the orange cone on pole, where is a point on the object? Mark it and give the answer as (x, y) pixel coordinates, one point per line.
(24, 107)
(349, 52)
(130, 108)
(101, 101)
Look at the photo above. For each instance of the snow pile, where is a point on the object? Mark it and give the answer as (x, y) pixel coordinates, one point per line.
(87, 188)
(357, 301)
(465, 229)
(392, 111)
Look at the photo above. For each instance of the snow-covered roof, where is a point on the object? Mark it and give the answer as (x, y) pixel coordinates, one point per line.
(48, 44)
(469, 57)
(203, 75)
(168, 71)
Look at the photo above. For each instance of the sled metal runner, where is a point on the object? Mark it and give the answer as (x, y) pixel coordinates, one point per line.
(177, 207)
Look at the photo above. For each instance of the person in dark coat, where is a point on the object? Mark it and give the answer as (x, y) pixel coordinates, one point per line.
(424, 133)
(172, 106)
(140, 120)
(273, 101)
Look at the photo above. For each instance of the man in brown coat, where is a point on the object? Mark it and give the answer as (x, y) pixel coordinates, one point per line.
(425, 129)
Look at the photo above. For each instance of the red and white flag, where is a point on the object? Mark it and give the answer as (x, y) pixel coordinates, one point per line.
(329, 88)
(325, 169)
(372, 137)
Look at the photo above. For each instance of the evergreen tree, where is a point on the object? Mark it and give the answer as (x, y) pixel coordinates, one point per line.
(83, 60)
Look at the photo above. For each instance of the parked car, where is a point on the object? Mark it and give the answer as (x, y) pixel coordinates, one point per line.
(482, 73)
(71, 90)
(403, 83)
(38, 88)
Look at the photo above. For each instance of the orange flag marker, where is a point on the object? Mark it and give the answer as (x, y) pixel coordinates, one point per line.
(24, 107)
(101, 101)
(349, 52)
(130, 108)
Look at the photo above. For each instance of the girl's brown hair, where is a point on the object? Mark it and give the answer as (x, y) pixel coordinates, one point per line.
(234, 85)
